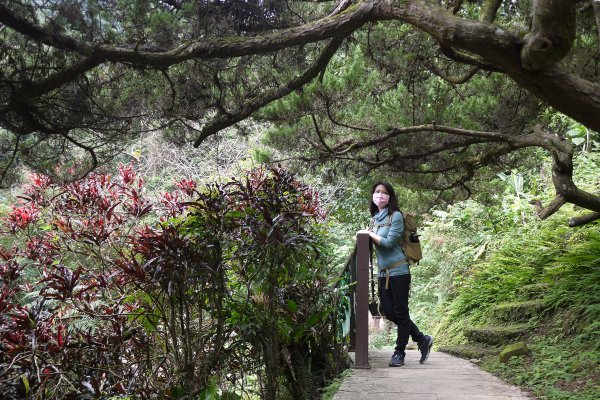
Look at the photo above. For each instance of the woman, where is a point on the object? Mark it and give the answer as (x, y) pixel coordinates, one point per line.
(394, 271)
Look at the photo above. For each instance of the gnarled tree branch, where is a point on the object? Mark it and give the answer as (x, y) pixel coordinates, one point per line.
(552, 34)
(338, 25)
(551, 208)
(586, 219)
(568, 93)
(560, 149)
(225, 120)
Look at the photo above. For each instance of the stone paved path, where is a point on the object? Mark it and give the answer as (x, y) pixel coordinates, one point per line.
(442, 377)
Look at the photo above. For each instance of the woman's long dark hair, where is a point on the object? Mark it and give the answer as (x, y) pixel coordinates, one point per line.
(392, 202)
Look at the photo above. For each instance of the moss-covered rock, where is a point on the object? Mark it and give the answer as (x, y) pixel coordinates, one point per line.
(468, 351)
(534, 290)
(521, 311)
(513, 350)
(497, 335)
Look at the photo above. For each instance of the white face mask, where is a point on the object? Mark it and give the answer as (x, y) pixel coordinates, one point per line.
(380, 199)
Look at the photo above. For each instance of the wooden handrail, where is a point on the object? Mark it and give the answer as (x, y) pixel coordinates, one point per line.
(361, 355)
(357, 270)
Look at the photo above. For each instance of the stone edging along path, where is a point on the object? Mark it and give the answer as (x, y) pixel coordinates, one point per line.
(442, 377)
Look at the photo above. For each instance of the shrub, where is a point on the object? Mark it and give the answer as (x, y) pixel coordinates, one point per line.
(106, 292)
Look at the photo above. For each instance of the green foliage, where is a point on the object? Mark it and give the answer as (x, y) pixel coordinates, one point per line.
(383, 338)
(578, 277)
(583, 138)
(560, 368)
(200, 288)
(452, 240)
(480, 255)
(516, 261)
(331, 389)
(373, 89)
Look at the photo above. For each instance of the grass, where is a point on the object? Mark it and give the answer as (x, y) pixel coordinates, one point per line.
(539, 272)
(565, 344)
(559, 366)
(330, 390)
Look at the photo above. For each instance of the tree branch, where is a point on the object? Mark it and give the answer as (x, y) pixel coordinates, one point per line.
(490, 8)
(468, 59)
(41, 34)
(485, 136)
(335, 121)
(318, 131)
(338, 25)
(457, 80)
(554, 206)
(54, 81)
(567, 93)
(561, 151)
(586, 219)
(88, 149)
(559, 148)
(552, 34)
(223, 121)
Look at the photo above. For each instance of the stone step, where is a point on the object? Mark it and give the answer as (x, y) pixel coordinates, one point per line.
(533, 291)
(497, 334)
(521, 311)
(468, 351)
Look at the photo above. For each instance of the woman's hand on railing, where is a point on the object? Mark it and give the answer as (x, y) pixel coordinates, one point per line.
(367, 230)
(373, 236)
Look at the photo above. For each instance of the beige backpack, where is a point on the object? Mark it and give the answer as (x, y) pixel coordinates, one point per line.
(409, 241)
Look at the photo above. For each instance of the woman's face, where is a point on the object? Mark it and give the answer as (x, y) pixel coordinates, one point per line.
(381, 197)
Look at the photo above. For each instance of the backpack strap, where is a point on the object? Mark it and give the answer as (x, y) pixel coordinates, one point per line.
(376, 227)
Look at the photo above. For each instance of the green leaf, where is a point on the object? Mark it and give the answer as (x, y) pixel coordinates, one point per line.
(292, 306)
(575, 132)
(177, 392)
(210, 391)
(25, 383)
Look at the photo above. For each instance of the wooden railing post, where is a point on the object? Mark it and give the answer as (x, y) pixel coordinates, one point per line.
(361, 355)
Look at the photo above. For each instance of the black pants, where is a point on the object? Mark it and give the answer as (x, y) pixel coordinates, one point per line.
(394, 301)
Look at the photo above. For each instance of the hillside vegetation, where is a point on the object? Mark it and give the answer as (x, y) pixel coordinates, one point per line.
(495, 275)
